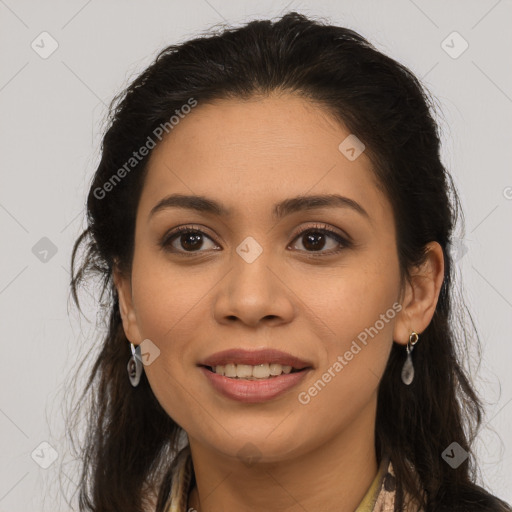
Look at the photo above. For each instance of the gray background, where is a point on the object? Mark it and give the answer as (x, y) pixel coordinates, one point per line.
(53, 113)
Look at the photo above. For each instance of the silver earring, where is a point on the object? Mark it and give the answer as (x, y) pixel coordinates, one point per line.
(135, 366)
(408, 368)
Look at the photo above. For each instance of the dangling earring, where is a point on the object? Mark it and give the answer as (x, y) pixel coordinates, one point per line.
(135, 366)
(408, 368)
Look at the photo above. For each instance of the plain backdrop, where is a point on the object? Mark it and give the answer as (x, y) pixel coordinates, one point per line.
(53, 109)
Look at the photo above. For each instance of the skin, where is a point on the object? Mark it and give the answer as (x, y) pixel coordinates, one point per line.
(249, 155)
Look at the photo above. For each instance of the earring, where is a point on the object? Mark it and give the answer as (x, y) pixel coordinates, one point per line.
(135, 366)
(408, 368)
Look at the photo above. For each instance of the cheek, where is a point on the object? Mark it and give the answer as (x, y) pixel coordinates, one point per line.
(171, 306)
(353, 297)
(164, 295)
(168, 310)
(358, 308)
(354, 359)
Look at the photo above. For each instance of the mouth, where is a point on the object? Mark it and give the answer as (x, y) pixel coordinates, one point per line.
(253, 372)
(254, 364)
(250, 389)
(254, 376)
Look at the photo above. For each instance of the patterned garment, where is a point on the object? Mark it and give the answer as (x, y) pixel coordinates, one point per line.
(380, 496)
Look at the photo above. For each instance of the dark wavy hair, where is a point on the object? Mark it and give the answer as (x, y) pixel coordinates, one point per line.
(384, 105)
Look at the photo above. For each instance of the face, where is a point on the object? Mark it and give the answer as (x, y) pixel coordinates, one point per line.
(249, 279)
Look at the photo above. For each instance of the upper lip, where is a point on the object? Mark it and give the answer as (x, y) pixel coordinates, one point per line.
(254, 357)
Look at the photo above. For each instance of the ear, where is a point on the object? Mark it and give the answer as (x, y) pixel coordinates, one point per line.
(124, 291)
(421, 295)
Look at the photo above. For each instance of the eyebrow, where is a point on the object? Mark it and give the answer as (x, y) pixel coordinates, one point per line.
(282, 209)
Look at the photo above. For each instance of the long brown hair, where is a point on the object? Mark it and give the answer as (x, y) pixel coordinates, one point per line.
(384, 105)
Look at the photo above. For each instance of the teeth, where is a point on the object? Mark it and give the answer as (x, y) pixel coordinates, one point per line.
(246, 371)
(243, 371)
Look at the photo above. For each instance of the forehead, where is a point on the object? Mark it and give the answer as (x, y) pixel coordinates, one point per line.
(243, 152)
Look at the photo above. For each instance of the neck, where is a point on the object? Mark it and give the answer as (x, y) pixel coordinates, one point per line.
(332, 477)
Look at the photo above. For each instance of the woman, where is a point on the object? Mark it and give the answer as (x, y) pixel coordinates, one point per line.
(271, 221)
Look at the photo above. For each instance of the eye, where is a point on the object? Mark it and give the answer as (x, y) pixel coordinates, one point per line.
(189, 238)
(313, 239)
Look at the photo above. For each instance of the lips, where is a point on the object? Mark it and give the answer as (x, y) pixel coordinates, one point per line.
(254, 391)
(255, 357)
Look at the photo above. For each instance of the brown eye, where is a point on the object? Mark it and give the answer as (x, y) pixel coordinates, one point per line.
(316, 239)
(185, 239)
(313, 240)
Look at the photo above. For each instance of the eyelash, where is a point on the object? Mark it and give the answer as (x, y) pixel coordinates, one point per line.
(168, 238)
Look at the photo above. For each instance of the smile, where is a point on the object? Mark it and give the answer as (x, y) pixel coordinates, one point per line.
(250, 372)
(253, 389)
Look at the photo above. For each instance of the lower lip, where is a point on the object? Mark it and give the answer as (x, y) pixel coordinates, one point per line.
(254, 391)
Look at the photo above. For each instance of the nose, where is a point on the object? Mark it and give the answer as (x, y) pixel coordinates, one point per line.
(254, 293)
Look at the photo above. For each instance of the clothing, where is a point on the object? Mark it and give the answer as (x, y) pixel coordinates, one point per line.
(380, 496)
